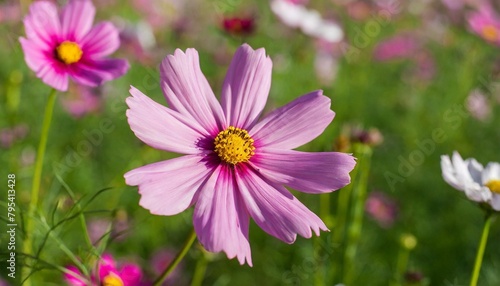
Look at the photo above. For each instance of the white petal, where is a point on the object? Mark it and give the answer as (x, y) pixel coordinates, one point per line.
(491, 172)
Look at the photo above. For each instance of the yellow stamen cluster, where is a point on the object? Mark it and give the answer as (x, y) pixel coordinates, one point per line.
(490, 33)
(494, 186)
(234, 145)
(112, 280)
(69, 52)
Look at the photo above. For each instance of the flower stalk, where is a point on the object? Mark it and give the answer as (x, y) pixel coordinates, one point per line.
(37, 176)
(364, 153)
(171, 267)
(481, 248)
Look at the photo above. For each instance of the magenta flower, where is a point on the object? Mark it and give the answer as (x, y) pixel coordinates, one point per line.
(486, 23)
(107, 273)
(403, 46)
(382, 208)
(235, 166)
(239, 25)
(65, 45)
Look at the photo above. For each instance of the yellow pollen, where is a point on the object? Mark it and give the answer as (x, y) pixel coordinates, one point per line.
(494, 186)
(112, 280)
(69, 52)
(234, 145)
(490, 33)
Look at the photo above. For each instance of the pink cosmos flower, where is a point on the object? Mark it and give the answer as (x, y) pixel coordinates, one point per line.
(239, 25)
(107, 273)
(65, 45)
(10, 13)
(402, 46)
(10, 135)
(382, 208)
(478, 105)
(235, 165)
(486, 23)
(82, 100)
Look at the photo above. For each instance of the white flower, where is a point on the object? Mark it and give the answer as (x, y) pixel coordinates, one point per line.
(309, 21)
(479, 184)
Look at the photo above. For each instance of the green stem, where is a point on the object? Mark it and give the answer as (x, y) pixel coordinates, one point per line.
(480, 250)
(401, 265)
(80, 211)
(340, 224)
(177, 259)
(199, 272)
(65, 249)
(359, 197)
(325, 214)
(35, 189)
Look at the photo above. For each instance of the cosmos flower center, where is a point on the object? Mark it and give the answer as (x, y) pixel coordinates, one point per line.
(494, 186)
(112, 280)
(69, 52)
(490, 33)
(234, 145)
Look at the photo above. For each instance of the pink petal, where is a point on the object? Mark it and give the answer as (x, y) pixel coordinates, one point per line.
(42, 24)
(77, 18)
(220, 218)
(73, 280)
(106, 265)
(54, 75)
(96, 72)
(131, 274)
(314, 173)
(33, 55)
(162, 128)
(294, 124)
(188, 92)
(169, 187)
(246, 86)
(275, 209)
(101, 41)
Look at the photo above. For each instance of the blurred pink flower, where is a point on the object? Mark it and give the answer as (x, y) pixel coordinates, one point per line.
(486, 23)
(65, 45)
(10, 12)
(478, 105)
(138, 40)
(108, 273)
(235, 165)
(161, 13)
(454, 4)
(359, 10)
(81, 100)
(382, 208)
(9, 136)
(3, 282)
(160, 262)
(97, 228)
(239, 25)
(371, 136)
(402, 46)
(407, 46)
(326, 62)
(425, 66)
